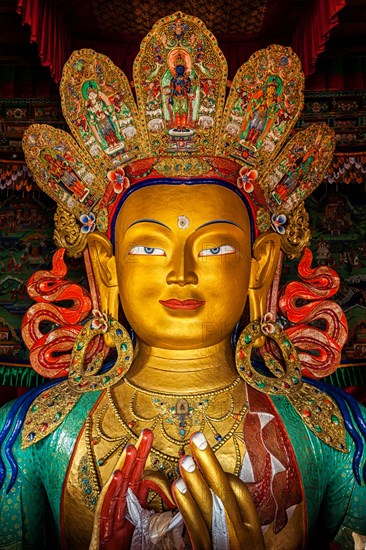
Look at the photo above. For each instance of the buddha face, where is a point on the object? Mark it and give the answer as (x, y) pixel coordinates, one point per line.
(183, 264)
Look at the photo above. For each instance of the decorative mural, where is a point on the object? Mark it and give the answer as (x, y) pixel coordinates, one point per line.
(26, 245)
(338, 225)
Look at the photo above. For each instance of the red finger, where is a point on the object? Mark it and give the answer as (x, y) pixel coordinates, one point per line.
(143, 446)
(115, 498)
(108, 507)
(126, 474)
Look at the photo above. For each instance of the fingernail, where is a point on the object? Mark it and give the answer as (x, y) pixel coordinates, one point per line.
(200, 441)
(181, 486)
(188, 464)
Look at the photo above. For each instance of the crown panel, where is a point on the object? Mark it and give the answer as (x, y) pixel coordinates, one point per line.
(62, 170)
(265, 100)
(100, 110)
(299, 168)
(180, 78)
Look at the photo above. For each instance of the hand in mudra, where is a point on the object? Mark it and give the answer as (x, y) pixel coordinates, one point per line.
(234, 523)
(111, 530)
(193, 496)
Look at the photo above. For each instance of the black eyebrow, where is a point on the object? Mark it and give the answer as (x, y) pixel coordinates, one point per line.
(148, 220)
(219, 221)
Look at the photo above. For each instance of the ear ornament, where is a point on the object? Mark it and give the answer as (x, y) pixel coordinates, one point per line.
(317, 410)
(51, 407)
(94, 376)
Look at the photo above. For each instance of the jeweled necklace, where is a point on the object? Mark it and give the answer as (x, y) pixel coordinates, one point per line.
(172, 418)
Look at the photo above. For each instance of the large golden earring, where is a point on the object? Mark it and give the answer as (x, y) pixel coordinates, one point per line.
(317, 409)
(282, 379)
(90, 377)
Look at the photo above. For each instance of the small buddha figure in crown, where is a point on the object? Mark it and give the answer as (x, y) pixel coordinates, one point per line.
(184, 406)
(181, 94)
(63, 173)
(102, 118)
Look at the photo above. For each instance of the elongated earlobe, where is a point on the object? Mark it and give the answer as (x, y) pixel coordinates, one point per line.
(105, 273)
(266, 252)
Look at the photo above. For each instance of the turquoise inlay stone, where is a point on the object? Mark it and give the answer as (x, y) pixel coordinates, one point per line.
(247, 339)
(295, 380)
(334, 419)
(106, 379)
(88, 490)
(124, 346)
(58, 416)
(79, 346)
(100, 462)
(34, 408)
(77, 379)
(260, 384)
(317, 428)
(182, 432)
(287, 343)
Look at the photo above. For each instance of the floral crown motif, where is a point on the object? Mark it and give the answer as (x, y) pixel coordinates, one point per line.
(181, 127)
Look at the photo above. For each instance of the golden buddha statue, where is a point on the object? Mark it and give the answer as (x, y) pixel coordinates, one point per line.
(198, 428)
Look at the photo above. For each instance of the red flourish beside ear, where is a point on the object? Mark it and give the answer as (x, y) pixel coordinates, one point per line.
(319, 327)
(50, 353)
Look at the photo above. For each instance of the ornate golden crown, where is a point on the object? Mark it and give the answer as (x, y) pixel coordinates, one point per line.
(181, 128)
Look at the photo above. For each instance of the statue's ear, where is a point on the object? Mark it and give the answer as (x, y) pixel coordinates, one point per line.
(266, 252)
(105, 274)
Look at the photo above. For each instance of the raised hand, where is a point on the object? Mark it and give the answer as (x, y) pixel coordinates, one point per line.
(229, 521)
(111, 530)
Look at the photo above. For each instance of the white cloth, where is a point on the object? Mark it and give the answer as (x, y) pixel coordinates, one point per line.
(220, 531)
(164, 531)
(153, 531)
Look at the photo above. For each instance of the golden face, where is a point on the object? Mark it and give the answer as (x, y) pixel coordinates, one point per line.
(183, 264)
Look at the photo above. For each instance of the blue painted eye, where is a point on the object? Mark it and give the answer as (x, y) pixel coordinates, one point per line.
(218, 250)
(146, 251)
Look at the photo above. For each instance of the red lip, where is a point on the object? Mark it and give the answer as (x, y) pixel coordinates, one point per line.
(173, 303)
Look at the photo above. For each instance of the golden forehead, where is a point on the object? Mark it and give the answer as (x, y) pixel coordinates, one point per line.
(200, 203)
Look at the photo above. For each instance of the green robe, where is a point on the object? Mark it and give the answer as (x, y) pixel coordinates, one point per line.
(30, 513)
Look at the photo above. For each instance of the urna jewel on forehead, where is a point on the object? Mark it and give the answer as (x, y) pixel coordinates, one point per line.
(180, 129)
